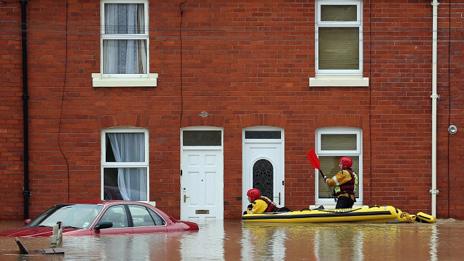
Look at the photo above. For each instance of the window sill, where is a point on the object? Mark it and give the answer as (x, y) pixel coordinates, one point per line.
(339, 81)
(99, 81)
(332, 206)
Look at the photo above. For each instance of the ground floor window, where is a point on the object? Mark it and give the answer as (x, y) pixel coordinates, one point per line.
(125, 164)
(331, 144)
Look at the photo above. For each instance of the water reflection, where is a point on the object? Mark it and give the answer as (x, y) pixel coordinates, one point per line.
(234, 240)
(213, 233)
(346, 241)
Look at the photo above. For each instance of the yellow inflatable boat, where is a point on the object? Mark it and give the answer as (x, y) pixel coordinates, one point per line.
(366, 213)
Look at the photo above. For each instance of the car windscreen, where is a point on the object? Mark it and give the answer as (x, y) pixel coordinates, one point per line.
(78, 216)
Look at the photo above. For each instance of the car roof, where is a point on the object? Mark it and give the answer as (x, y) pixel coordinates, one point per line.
(106, 203)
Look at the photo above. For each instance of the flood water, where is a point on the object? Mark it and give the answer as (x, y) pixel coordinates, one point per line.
(236, 240)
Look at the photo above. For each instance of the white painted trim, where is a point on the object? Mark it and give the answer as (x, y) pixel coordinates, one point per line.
(99, 80)
(220, 201)
(357, 3)
(318, 23)
(338, 81)
(145, 36)
(104, 164)
(247, 181)
(358, 152)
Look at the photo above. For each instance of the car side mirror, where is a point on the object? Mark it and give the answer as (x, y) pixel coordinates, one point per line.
(27, 221)
(103, 225)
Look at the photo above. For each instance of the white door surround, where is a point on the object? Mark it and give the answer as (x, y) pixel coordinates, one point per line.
(202, 174)
(263, 163)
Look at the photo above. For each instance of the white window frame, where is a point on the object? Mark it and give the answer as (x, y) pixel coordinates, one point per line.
(105, 164)
(341, 77)
(349, 153)
(124, 80)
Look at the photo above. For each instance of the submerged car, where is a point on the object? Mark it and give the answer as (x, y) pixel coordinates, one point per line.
(104, 218)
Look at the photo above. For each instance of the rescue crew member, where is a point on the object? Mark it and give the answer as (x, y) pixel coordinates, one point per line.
(345, 182)
(259, 204)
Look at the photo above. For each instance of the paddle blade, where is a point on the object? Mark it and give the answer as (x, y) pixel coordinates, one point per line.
(313, 159)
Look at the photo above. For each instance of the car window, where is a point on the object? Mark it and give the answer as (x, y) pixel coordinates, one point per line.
(78, 216)
(159, 221)
(140, 216)
(116, 215)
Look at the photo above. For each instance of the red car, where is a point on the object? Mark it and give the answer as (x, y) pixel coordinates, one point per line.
(105, 218)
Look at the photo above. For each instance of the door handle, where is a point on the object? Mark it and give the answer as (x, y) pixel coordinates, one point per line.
(184, 193)
(279, 198)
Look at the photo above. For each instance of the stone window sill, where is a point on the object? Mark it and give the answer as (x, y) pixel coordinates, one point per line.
(99, 81)
(338, 81)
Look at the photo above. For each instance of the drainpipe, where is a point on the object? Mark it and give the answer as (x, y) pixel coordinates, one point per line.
(434, 191)
(26, 192)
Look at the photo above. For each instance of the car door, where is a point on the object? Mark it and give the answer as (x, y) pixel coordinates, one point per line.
(118, 216)
(145, 220)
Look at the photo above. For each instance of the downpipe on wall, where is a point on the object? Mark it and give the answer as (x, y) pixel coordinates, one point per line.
(25, 79)
(434, 191)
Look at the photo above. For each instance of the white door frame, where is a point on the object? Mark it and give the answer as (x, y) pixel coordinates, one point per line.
(247, 181)
(220, 180)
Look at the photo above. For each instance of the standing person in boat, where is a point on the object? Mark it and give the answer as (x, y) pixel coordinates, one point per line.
(260, 204)
(345, 182)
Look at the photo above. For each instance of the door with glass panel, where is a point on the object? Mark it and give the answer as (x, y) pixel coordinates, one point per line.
(331, 144)
(125, 164)
(202, 185)
(263, 163)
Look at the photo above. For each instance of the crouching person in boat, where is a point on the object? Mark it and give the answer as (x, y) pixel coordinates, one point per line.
(260, 204)
(345, 182)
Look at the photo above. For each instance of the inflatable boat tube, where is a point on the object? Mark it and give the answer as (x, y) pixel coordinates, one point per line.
(425, 218)
(366, 213)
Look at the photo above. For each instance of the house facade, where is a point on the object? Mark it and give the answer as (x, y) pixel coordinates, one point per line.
(191, 103)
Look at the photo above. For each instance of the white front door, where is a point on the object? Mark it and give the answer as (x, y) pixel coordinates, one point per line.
(263, 163)
(202, 184)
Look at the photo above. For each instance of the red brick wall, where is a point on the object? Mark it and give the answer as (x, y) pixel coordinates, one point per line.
(400, 117)
(10, 112)
(453, 189)
(246, 63)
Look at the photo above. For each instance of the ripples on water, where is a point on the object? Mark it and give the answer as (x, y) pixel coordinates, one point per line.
(234, 240)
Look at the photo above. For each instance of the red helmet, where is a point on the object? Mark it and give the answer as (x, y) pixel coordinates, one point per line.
(346, 162)
(254, 194)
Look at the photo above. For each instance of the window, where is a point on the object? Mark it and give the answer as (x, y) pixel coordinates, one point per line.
(338, 43)
(142, 217)
(125, 165)
(116, 215)
(331, 144)
(249, 134)
(124, 44)
(201, 138)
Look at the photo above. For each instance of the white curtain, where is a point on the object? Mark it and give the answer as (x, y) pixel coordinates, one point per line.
(124, 56)
(130, 147)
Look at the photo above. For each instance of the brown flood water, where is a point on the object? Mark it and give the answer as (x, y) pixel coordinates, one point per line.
(236, 240)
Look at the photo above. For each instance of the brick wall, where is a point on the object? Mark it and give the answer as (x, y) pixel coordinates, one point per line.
(11, 141)
(246, 63)
(452, 180)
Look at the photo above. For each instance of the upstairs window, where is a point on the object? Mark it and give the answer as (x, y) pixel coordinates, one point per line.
(339, 44)
(339, 37)
(124, 38)
(124, 45)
